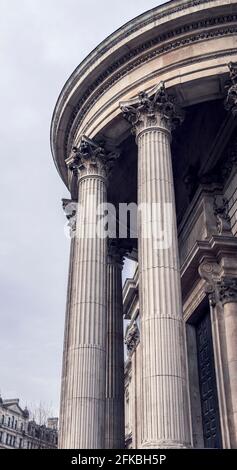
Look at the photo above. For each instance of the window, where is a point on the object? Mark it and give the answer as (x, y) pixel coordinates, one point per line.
(16, 424)
(9, 422)
(0, 436)
(3, 419)
(12, 421)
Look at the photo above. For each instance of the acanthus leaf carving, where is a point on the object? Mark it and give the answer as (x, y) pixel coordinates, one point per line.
(231, 99)
(227, 288)
(218, 287)
(90, 158)
(145, 111)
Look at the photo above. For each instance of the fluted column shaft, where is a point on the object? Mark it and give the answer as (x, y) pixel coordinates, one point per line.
(84, 388)
(228, 296)
(65, 343)
(165, 400)
(114, 415)
(230, 314)
(164, 378)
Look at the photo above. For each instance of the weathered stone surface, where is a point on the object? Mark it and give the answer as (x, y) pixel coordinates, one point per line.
(114, 405)
(165, 389)
(83, 404)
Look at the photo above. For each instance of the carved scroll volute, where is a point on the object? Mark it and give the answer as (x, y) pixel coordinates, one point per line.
(209, 270)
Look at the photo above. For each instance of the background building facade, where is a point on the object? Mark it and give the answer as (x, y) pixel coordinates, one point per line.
(170, 76)
(18, 431)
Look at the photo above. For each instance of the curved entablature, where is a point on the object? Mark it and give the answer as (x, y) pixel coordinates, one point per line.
(186, 44)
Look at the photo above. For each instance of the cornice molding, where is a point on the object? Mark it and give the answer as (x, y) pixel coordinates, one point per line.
(119, 35)
(124, 32)
(131, 61)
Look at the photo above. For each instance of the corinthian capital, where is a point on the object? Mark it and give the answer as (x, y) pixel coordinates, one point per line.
(117, 250)
(90, 159)
(231, 100)
(227, 288)
(150, 109)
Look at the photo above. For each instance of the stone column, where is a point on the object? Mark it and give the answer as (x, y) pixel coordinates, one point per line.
(114, 415)
(83, 423)
(228, 296)
(165, 398)
(132, 341)
(70, 211)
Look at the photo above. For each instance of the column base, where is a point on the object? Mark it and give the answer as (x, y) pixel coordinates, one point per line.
(111, 444)
(164, 444)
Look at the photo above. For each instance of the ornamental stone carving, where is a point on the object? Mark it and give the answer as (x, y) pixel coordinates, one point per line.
(230, 161)
(227, 289)
(218, 288)
(90, 159)
(132, 338)
(231, 100)
(152, 109)
(116, 252)
(70, 209)
(209, 270)
(221, 211)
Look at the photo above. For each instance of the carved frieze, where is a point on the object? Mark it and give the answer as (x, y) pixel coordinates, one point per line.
(102, 83)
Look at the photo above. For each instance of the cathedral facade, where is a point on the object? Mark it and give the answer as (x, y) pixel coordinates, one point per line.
(148, 121)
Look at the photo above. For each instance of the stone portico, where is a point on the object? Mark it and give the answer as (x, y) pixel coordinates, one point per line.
(170, 77)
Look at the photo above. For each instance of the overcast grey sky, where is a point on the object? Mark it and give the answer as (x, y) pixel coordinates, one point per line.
(41, 43)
